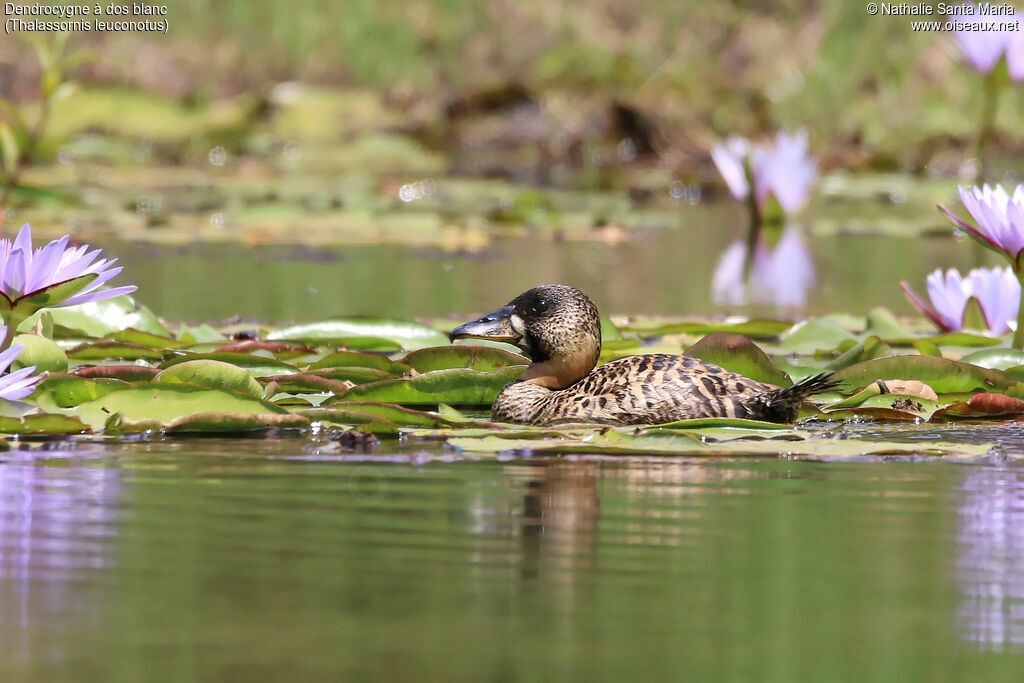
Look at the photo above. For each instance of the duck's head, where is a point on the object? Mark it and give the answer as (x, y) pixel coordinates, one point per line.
(556, 325)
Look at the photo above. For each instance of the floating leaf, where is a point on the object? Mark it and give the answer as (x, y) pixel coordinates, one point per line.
(882, 323)
(258, 366)
(738, 354)
(352, 374)
(393, 413)
(305, 383)
(166, 403)
(809, 336)
(212, 374)
(156, 341)
(481, 358)
(42, 424)
(45, 355)
(103, 350)
(870, 348)
(65, 391)
(460, 386)
(128, 373)
(984, 405)
(363, 360)
(942, 374)
(281, 350)
(995, 359)
(100, 318)
(758, 329)
(409, 335)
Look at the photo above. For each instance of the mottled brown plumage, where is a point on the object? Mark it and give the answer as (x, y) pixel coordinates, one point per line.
(559, 328)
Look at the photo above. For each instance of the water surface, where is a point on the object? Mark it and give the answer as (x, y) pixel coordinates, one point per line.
(286, 560)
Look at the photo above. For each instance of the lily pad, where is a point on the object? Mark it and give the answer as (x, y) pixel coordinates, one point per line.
(984, 405)
(65, 391)
(393, 413)
(212, 374)
(128, 373)
(363, 360)
(757, 329)
(42, 424)
(809, 336)
(280, 350)
(301, 382)
(457, 386)
(258, 366)
(942, 374)
(737, 353)
(102, 350)
(481, 358)
(100, 318)
(995, 359)
(41, 352)
(352, 374)
(165, 403)
(410, 335)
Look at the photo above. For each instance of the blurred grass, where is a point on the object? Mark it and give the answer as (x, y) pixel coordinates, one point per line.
(872, 93)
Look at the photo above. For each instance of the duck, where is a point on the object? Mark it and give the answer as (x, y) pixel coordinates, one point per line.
(559, 328)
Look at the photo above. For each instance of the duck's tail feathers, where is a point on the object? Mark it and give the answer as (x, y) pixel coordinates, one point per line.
(784, 404)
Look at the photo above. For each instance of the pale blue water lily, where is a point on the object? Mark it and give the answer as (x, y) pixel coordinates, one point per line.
(782, 276)
(783, 168)
(996, 290)
(50, 276)
(21, 382)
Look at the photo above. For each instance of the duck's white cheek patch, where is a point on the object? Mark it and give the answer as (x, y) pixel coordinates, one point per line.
(517, 324)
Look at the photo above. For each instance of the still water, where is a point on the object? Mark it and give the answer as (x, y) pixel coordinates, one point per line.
(282, 560)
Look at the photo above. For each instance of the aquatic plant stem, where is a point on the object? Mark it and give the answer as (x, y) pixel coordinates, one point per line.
(1018, 334)
(754, 224)
(989, 107)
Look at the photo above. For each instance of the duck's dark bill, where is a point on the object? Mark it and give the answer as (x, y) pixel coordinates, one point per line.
(495, 326)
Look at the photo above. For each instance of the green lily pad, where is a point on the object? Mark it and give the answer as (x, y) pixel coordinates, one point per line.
(942, 374)
(397, 414)
(156, 341)
(457, 386)
(809, 336)
(872, 347)
(362, 360)
(102, 350)
(100, 318)
(481, 358)
(352, 374)
(409, 335)
(65, 391)
(996, 359)
(41, 352)
(257, 366)
(42, 424)
(165, 403)
(757, 329)
(280, 350)
(737, 353)
(128, 373)
(212, 374)
(300, 382)
(882, 323)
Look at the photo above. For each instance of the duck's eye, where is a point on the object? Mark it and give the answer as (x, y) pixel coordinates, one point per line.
(540, 306)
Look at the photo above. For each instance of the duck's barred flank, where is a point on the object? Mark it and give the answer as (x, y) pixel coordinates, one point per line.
(657, 388)
(559, 328)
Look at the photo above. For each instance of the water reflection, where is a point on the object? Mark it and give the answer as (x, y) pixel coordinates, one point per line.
(990, 560)
(56, 525)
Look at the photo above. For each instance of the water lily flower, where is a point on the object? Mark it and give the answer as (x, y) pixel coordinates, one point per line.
(983, 49)
(50, 276)
(782, 276)
(21, 382)
(999, 215)
(782, 168)
(996, 290)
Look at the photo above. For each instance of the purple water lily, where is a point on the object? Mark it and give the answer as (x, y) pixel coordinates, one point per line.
(983, 49)
(782, 276)
(48, 277)
(782, 168)
(999, 215)
(996, 290)
(24, 272)
(21, 382)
